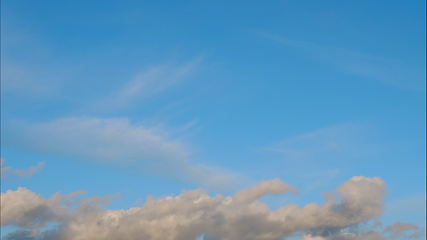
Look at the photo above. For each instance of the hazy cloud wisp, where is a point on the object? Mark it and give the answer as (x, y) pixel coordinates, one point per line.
(387, 71)
(116, 141)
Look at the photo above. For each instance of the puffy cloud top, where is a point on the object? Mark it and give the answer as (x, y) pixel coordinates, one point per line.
(194, 213)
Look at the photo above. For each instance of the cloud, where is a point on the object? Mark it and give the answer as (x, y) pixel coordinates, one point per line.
(398, 229)
(327, 141)
(149, 83)
(274, 186)
(9, 171)
(387, 71)
(308, 155)
(116, 141)
(347, 236)
(28, 209)
(311, 237)
(156, 79)
(194, 213)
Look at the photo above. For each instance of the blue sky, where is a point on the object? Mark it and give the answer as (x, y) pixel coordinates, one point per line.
(141, 98)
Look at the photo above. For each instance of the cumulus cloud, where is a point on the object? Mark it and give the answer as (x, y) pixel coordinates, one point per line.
(347, 236)
(7, 171)
(116, 141)
(23, 207)
(195, 213)
(274, 186)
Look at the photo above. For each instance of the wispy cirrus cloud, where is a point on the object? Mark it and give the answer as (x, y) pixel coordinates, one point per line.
(149, 83)
(327, 144)
(119, 142)
(156, 79)
(387, 71)
(7, 171)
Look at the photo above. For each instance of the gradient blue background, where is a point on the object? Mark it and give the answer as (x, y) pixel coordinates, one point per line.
(348, 75)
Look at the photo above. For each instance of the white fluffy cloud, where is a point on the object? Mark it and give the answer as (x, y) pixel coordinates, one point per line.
(28, 209)
(119, 142)
(195, 213)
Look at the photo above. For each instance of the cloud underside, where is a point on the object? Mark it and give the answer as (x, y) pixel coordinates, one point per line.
(194, 213)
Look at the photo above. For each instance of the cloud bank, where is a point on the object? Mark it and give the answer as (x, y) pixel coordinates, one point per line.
(194, 213)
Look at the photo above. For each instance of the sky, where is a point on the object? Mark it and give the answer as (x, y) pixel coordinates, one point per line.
(302, 119)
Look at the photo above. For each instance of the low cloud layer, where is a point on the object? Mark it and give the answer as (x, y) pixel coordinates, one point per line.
(7, 171)
(119, 142)
(194, 213)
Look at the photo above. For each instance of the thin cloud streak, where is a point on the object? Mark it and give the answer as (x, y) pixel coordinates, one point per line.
(328, 140)
(387, 71)
(7, 171)
(151, 82)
